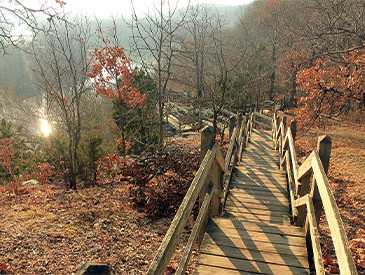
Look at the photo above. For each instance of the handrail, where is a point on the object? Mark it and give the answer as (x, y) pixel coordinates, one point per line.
(309, 190)
(210, 184)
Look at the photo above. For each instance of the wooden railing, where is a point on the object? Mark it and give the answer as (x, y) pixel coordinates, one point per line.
(309, 191)
(210, 186)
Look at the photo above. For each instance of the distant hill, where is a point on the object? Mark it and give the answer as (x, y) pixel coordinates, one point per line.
(16, 75)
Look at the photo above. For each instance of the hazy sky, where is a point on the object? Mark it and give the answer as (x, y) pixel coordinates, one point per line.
(105, 8)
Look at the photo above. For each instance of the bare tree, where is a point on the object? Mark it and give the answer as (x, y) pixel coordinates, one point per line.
(197, 41)
(154, 38)
(63, 61)
(18, 20)
(225, 55)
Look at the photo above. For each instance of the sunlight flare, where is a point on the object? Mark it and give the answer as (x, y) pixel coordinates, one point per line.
(45, 127)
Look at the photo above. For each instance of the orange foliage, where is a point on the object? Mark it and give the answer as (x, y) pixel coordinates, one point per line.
(61, 3)
(331, 88)
(113, 76)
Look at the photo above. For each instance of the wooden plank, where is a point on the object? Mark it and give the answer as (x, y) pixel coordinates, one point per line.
(262, 246)
(231, 146)
(259, 227)
(259, 180)
(268, 118)
(258, 160)
(338, 233)
(254, 204)
(252, 156)
(257, 150)
(230, 204)
(264, 201)
(293, 157)
(194, 233)
(313, 229)
(257, 170)
(209, 270)
(227, 183)
(241, 211)
(301, 201)
(262, 123)
(306, 167)
(215, 232)
(257, 155)
(248, 199)
(254, 255)
(220, 161)
(259, 196)
(242, 139)
(263, 166)
(168, 245)
(266, 180)
(249, 266)
(251, 186)
(263, 177)
(290, 186)
(259, 190)
(251, 217)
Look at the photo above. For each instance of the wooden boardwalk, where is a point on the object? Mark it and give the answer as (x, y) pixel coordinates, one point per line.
(255, 236)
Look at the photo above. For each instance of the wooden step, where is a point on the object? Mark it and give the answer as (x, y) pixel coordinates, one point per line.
(258, 226)
(252, 255)
(259, 187)
(263, 246)
(216, 232)
(230, 204)
(247, 265)
(258, 196)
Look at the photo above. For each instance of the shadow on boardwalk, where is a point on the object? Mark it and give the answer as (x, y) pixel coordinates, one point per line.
(254, 235)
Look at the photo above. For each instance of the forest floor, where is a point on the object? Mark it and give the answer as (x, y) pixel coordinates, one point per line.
(45, 229)
(347, 178)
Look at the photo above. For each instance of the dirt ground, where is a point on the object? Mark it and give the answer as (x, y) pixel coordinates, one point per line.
(45, 229)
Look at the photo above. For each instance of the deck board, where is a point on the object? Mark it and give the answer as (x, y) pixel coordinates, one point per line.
(254, 236)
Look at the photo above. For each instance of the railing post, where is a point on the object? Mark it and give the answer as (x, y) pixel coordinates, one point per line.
(285, 122)
(251, 125)
(276, 138)
(207, 138)
(293, 129)
(232, 124)
(239, 123)
(324, 147)
(217, 180)
(278, 120)
(273, 127)
(283, 135)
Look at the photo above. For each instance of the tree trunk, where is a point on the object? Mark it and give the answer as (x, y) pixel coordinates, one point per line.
(72, 181)
(161, 129)
(215, 122)
(272, 85)
(293, 90)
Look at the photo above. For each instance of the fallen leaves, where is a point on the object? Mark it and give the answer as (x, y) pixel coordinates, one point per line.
(46, 229)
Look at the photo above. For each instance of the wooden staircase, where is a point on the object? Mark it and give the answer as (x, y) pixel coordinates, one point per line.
(260, 202)
(254, 235)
